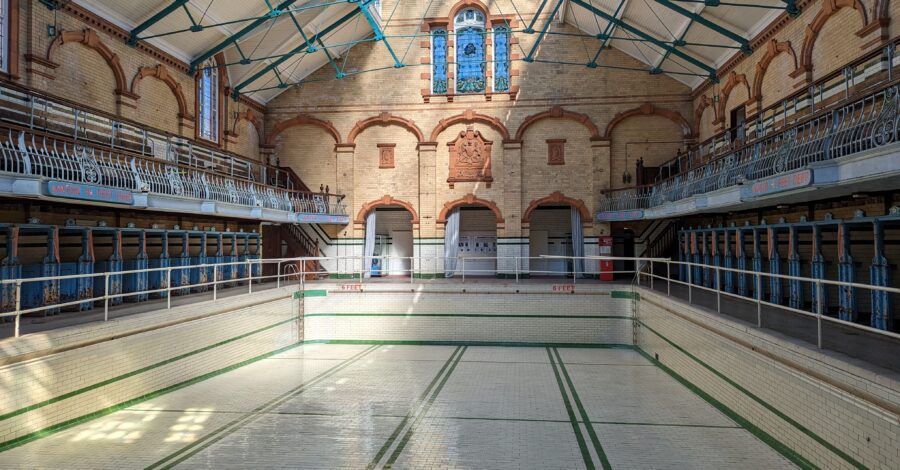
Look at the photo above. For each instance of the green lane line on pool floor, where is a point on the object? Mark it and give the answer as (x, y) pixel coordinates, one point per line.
(413, 411)
(777, 445)
(412, 428)
(604, 460)
(576, 426)
(224, 431)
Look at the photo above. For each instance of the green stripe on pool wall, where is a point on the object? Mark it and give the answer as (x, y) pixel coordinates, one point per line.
(470, 315)
(315, 293)
(789, 453)
(623, 294)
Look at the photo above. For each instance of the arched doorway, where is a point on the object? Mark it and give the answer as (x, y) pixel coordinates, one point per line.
(470, 236)
(550, 236)
(388, 237)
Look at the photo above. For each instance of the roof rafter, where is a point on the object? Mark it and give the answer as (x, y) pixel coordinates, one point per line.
(176, 4)
(695, 17)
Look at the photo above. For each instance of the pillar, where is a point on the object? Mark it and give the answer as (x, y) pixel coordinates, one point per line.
(716, 260)
(344, 184)
(728, 263)
(882, 315)
(817, 270)
(846, 273)
(757, 264)
(795, 287)
(428, 243)
(774, 265)
(741, 262)
(512, 239)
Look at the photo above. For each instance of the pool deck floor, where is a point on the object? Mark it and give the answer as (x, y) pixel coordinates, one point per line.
(323, 406)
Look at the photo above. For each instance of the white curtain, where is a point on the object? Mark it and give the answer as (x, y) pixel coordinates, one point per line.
(577, 242)
(369, 246)
(451, 242)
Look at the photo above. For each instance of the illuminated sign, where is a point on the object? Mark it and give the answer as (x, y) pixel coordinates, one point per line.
(613, 216)
(89, 192)
(323, 219)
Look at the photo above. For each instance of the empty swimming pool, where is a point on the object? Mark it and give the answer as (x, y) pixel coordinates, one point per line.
(410, 406)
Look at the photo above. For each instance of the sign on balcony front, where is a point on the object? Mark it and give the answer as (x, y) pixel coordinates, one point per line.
(89, 192)
(776, 184)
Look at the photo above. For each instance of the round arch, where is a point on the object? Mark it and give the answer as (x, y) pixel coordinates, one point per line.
(384, 119)
(734, 79)
(302, 120)
(773, 50)
(248, 116)
(469, 200)
(829, 9)
(90, 39)
(558, 198)
(557, 112)
(648, 109)
(161, 73)
(466, 117)
(385, 200)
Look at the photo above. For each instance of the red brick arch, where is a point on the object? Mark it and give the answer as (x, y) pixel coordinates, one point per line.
(385, 201)
(648, 109)
(558, 198)
(161, 73)
(734, 80)
(302, 120)
(90, 39)
(467, 117)
(250, 117)
(469, 200)
(773, 50)
(384, 119)
(829, 9)
(558, 112)
(705, 103)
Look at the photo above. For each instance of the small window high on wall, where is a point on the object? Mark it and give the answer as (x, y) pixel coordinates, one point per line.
(439, 61)
(4, 35)
(208, 102)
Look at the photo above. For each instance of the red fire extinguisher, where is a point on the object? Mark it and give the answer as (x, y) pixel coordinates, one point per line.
(606, 266)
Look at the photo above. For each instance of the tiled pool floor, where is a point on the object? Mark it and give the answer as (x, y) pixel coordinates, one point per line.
(428, 407)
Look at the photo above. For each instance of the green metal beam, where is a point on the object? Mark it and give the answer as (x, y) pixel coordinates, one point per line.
(606, 35)
(640, 33)
(154, 19)
(745, 44)
(301, 48)
(379, 34)
(530, 56)
(530, 28)
(273, 13)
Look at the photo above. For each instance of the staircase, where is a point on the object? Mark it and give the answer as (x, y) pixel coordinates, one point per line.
(302, 245)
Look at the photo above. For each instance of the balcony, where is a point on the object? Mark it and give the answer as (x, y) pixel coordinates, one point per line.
(848, 147)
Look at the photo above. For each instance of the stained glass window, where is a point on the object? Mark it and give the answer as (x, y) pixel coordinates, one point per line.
(4, 34)
(470, 57)
(501, 59)
(439, 62)
(208, 102)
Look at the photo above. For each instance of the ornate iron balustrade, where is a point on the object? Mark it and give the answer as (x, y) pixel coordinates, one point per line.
(25, 153)
(34, 111)
(866, 123)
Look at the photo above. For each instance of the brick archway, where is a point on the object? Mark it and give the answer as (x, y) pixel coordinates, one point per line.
(734, 79)
(90, 39)
(467, 117)
(385, 200)
(302, 120)
(558, 112)
(384, 119)
(161, 73)
(773, 50)
(648, 109)
(558, 198)
(470, 200)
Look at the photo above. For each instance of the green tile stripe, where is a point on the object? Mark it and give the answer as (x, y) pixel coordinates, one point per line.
(315, 293)
(764, 436)
(510, 344)
(604, 460)
(150, 367)
(470, 315)
(411, 414)
(226, 430)
(4, 446)
(409, 432)
(576, 426)
(622, 294)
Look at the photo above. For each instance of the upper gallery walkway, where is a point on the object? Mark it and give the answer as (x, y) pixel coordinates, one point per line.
(837, 138)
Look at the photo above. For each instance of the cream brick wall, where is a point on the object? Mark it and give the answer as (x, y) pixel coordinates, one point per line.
(851, 408)
(111, 352)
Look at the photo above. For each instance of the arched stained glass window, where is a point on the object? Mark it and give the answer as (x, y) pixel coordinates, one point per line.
(439, 61)
(470, 57)
(208, 102)
(501, 58)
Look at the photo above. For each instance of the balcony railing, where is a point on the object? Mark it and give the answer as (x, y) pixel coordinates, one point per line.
(867, 122)
(26, 153)
(29, 109)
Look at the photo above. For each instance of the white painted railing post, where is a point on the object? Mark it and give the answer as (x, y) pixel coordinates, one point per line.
(302, 273)
(278, 276)
(18, 306)
(463, 269)
(651, 274)
(669, 278)
(718, 293)
(169, 287)
(249, 277)
(819, 310)
(517, 269)
(759, 301)
(690, 281)
(106, 296)
(215, 281)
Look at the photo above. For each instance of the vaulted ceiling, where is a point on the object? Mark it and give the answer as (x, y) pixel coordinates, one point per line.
(269, 45)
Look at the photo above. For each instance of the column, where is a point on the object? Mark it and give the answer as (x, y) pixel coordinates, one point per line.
(882, 315)
(345, 179)
(741, 261)
(728, 263)
(774, 265)
(601, 158)
(795, 287)
(846, 273)
(757, 264)
(512, 238)
(817, 269)
(428, 243)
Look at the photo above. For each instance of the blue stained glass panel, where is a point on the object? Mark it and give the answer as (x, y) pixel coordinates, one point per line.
(439, 62)
(501, 59)
(470, 60)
